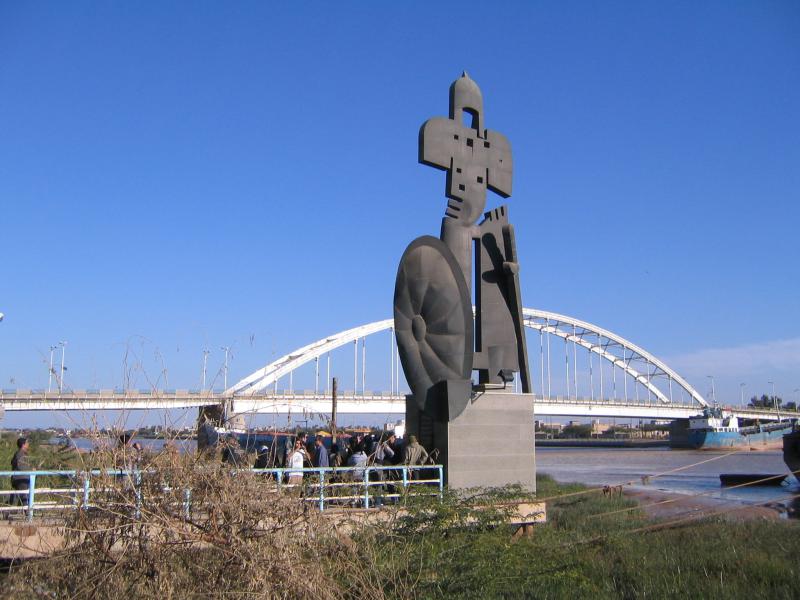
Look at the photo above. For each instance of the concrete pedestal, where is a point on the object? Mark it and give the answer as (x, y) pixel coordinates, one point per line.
(490, 444)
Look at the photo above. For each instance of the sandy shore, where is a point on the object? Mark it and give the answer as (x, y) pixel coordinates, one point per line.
(665, 505)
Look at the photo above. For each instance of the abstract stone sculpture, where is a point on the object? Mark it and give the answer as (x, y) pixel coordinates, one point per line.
(438, 342)
(432, 294)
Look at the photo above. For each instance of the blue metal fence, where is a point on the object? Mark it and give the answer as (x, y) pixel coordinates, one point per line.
(323, 486)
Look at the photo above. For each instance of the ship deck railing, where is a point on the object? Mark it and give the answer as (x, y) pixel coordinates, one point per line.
(766, 428)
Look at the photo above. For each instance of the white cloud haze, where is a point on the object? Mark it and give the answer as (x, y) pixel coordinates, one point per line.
(778, 355)
(753, 364)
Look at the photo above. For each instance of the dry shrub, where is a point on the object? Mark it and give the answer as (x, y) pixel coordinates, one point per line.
(242, 537)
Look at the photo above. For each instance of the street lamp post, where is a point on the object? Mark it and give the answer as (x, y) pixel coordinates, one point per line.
(206, 352)
(775, 400)
(741, 393)
(226, 349)
(61, 379)
(50, 372)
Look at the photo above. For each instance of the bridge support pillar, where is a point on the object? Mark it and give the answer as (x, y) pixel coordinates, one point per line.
(490, 443)
(217, 415)
(209, 418)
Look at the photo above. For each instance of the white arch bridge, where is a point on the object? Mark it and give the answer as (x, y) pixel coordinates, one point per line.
(613, 378)
(577, 369)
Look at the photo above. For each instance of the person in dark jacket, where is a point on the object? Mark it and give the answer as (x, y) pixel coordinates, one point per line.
(231, 454)
(263, 457)
(321, 458)
(20, 462)
(383, 455)
(335, 458)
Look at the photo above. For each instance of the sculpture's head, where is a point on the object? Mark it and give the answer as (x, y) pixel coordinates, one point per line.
(475, 158)
(465, 96)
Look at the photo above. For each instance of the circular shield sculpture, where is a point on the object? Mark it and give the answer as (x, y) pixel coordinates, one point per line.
(432, 317)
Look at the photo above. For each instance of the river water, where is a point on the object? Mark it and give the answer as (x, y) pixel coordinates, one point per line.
(152, 444)
(614, 466)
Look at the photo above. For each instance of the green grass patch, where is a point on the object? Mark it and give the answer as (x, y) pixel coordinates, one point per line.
(582, 552)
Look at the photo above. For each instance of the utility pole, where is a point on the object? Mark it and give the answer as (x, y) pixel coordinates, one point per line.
(61, 379)
(333, 411)
(50, 372)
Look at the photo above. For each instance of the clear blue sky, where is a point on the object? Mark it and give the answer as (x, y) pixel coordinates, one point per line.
(182, 174)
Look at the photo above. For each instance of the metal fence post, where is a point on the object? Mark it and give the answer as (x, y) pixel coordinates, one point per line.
(278, 478)
(441, 482)
(31, 493)
(187, 498)
(86, 490)
(405, 479)
(137, 484)
(366, 487)
(321, 490)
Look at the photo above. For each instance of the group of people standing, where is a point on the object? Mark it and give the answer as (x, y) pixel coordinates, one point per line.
(360, 452)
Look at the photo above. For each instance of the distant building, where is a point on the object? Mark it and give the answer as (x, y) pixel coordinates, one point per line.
(599, 428)
(545, 426)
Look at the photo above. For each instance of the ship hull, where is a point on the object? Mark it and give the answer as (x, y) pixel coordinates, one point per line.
(720, 440)
(791, 452)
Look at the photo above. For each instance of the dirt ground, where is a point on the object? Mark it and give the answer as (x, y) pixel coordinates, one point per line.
(665, 505)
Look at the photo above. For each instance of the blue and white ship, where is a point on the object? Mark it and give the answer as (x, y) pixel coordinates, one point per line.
(719, 429)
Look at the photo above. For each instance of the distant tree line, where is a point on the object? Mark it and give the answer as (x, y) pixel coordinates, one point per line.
(766, 401)
(577, 431)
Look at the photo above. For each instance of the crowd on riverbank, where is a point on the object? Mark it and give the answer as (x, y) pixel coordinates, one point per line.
(359, 452)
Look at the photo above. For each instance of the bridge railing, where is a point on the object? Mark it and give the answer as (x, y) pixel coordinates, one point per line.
(325, 487)
(653, 401)
(76, 393)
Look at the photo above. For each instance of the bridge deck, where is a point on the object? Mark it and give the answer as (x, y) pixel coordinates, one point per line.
(347, 402)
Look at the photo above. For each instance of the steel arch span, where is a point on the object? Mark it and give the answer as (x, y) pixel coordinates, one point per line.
(634, 361)
(609, 346)
(260, 380)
